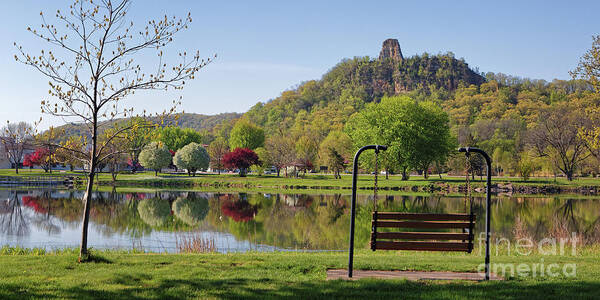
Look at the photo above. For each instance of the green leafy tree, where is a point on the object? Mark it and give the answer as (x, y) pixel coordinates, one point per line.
(176, 138)
(417, 134)
(155, 156)
(335, 150)
(589, 65)
(191, 157)
(264, 161)
(526, 166)
(307, 150)
(590, 133)
(246, 135)
(589, 70)
(137, 136)
(383, 124)
(430, 130)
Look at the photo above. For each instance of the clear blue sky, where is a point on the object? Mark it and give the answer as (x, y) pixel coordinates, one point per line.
(265, 47)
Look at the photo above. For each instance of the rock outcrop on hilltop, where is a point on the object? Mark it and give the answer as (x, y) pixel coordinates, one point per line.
(391, 49)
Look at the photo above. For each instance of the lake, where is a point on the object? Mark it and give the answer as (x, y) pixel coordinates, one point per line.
(160, 221)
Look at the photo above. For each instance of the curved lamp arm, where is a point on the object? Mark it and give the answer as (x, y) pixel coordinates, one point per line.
(377, 148)
(488, 161)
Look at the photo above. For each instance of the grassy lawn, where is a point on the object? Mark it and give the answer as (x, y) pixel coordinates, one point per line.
(311, 181)
(277, 275)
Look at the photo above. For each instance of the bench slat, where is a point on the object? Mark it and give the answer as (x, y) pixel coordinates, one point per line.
(423, 216)
(422, 236)
(422, 246)
(424, 224)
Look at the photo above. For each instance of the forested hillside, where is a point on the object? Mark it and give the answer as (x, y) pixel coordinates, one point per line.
(319, 106)
(197, 122)
(497, 112)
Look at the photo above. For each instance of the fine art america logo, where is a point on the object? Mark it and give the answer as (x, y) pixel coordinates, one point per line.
(525, 247)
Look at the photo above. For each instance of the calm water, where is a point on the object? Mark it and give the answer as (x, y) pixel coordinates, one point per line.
(265, 222)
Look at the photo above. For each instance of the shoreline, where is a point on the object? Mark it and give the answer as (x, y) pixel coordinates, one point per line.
(325, 183)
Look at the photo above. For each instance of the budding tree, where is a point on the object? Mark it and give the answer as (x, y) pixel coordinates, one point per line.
(15, 139)
(93, 66)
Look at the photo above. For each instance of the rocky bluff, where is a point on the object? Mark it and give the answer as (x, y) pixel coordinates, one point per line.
(391, 49)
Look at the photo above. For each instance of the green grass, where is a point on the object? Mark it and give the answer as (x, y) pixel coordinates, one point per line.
(35, 172)
(118, 275)
(311, 181)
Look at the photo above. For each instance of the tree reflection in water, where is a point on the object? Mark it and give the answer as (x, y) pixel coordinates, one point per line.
(12, 221)
(293, 221)
(191, 209)
(154, 211)
(239, 210)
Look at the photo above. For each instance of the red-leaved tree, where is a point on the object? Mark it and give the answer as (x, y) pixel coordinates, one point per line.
(42, 157)
(240, 158)
(28, 160)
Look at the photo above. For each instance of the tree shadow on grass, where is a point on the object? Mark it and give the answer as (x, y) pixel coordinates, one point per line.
(237, 288)
(95, 259)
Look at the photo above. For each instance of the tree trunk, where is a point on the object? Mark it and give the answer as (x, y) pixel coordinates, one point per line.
(155, 173)
(569, 175)
(278, 170)
(87, 197)
(134, 163)
(387, 174)
(87, 203)
(17, 168)
(404, 173)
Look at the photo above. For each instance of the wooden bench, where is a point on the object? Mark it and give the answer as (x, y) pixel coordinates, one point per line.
(423, 241)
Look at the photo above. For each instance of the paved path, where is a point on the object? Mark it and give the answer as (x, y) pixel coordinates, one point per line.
(409, 275)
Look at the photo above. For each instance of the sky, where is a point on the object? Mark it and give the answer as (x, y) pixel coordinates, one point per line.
(266, 47)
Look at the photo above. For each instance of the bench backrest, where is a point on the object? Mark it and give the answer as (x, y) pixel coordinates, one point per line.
(423, 241)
